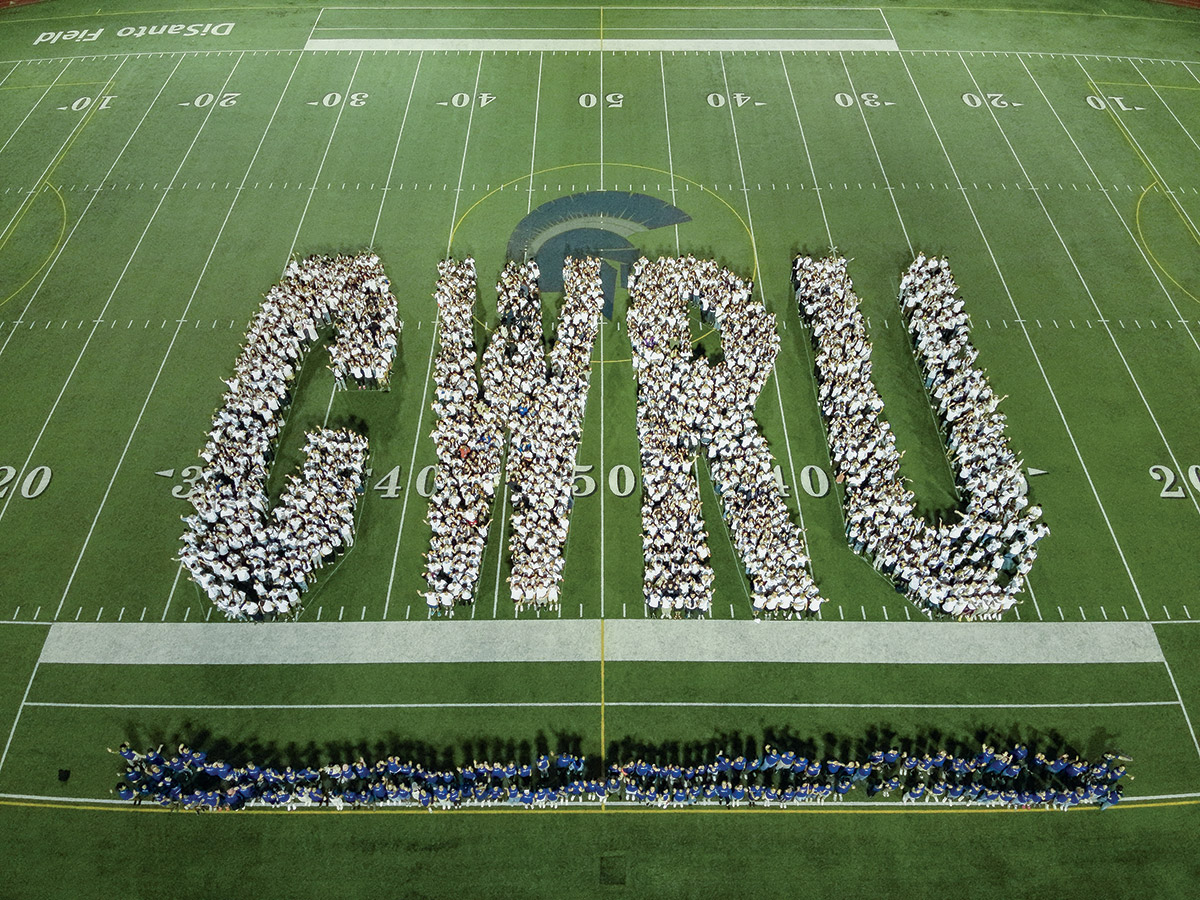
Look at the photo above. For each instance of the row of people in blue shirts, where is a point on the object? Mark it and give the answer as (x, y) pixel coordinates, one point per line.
(189, 779)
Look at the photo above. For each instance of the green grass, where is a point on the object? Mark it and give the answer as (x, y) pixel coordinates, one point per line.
(105, 405)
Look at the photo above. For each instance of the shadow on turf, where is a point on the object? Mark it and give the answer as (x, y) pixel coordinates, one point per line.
(684, 752)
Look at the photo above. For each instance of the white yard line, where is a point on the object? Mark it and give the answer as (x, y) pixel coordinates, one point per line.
(466, 144)
(1082, 280)
(795, 484)
(1182, 706)
(324, 156)
(17, 718)
(91, 199)
(178, 327)
(804, 141)
(56, 155)
(1179, 317)
(432, 351)
(387, 184)
(537, 105)
(891, 190)
(670, 158)
(1028, 338)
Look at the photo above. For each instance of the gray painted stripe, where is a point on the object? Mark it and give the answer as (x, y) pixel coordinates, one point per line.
(884, 642)
(564, 640)
(588, 44)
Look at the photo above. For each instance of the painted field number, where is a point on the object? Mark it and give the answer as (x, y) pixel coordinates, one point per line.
(33, 485)
(1172, 485)
(614, 100)
(1097, 102)
(389, 485)
(998, 101)
(868, 98)
(102, 102)
(206, 99)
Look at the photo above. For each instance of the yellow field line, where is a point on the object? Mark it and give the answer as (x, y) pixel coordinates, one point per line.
(602, 742)
(22, 87)
(62, 230)
(604, 809)
(1179, 212)
(1137, 221)
(1142, 84)
(54, 164)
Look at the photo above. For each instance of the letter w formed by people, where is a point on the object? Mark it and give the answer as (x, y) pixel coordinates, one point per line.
(975, 567)
(536, 400)
(254, 563)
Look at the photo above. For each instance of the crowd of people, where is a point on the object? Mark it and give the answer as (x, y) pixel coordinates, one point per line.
(1015, 777)
(535, 400)
(255, 563)
(975, 567)
(688, 404)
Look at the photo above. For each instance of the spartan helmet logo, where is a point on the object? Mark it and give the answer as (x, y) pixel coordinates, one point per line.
(594, 223)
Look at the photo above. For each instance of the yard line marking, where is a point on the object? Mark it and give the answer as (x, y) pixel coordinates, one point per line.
(321, 166)
(429, 366)
(762, 295)
(179, 323)
(396, 150)
(179, 327)
(804, 141)
(38, 102)
(537, 105)
(1029, 340)
(662, 69)
(463, 166)
(49, 268)
(871, 138)
(55, 159)
(500, 555)
(17, 719)
(1182, 706)
(1082, 280)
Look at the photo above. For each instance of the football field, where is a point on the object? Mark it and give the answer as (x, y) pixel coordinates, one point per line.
(157, 176)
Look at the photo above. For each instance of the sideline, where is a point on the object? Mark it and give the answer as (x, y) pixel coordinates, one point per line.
(848, 807)
(625, 640)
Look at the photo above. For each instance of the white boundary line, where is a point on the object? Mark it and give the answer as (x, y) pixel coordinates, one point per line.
(279, 51)
(466, 145)
(1025, 331)
(595, 704)
(1082, 281)
(537, 106)
(592, 45)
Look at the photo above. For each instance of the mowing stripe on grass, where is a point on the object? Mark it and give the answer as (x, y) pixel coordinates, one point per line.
(629, 640)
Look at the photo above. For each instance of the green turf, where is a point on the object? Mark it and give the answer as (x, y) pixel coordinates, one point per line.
(289, 169)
